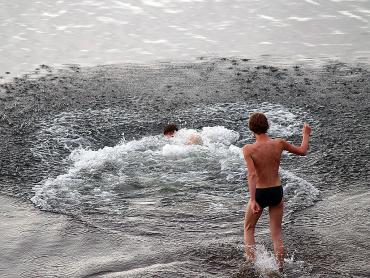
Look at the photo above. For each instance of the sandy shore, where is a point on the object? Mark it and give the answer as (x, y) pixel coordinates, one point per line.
(41, 244)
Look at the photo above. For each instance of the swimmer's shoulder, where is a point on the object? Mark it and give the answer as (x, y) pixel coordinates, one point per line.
(194, 139)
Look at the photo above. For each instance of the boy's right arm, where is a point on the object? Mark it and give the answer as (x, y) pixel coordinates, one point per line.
(251, 179)
(302, 149)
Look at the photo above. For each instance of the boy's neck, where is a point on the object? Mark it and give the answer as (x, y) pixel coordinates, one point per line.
(261, 137)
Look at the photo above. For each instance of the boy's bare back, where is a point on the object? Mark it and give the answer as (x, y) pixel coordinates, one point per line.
(266, 157)
(266, 154)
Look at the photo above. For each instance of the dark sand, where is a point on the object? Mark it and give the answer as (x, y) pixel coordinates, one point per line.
(38, 244)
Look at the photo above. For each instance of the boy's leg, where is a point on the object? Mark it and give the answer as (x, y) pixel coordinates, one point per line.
(276, 217)
(250, 222)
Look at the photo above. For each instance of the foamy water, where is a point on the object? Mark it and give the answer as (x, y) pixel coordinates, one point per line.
(88, 144)
(165, 182)
(157, 176)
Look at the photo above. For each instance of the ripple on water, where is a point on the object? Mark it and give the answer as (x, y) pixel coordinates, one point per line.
(154, 176)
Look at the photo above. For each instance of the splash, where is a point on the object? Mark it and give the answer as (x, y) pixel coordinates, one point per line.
(114, 179)
(103, 175)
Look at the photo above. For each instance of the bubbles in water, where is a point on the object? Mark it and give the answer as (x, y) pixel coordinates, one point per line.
(265, 260)
(298, 192)
(148, 163)
(266, 265)
(219, 134)
(170, 171)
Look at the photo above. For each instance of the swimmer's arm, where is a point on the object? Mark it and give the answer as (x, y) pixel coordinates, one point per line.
(302, 149)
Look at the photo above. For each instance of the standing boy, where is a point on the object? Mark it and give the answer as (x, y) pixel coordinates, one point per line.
(263, 161)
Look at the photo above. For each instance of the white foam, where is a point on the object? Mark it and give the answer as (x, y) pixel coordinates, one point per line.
(265, 260)
(100, 176)
(219, 134)
(75, 186)
(299, 192)
(179, 151)
(283, 122)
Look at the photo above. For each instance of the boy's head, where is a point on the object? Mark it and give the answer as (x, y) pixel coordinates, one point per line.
(258, 123)
(170, 130)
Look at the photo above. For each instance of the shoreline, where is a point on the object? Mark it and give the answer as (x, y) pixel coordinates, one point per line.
(335, 96)
(37, 243)
(42, 70)
(43, 244)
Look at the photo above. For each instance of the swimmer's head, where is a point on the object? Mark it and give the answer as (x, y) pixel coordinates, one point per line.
(170, 130)
(258, 123)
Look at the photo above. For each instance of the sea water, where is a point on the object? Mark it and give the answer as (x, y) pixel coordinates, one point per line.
(115, 31)
(91, 187)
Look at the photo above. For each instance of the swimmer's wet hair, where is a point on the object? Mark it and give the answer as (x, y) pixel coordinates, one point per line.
(170, 128)
(258, 123)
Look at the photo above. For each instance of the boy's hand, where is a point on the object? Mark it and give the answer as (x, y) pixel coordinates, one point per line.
(306, 130)
(255, 207)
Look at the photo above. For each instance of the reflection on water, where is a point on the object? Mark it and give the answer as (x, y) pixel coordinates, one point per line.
(117, 31)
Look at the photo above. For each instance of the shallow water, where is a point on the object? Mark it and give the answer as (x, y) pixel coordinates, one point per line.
(129, 203)
(90, 188)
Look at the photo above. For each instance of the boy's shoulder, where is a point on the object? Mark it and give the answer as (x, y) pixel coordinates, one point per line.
(280, 141)
(247, 148)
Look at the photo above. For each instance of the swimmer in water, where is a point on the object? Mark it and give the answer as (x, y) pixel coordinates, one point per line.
(170, 130)
(265, 189)
(194, 139)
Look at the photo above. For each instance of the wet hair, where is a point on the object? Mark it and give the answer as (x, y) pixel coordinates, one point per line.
(170, 128)
(258, 123)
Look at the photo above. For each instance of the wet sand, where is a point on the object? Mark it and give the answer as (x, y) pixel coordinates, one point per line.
(336, 94)
(45, 244)
(42, 244)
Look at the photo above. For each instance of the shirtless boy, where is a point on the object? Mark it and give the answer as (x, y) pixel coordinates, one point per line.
(263, 161)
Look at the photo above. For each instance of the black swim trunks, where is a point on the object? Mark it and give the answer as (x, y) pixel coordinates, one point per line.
(270, 196)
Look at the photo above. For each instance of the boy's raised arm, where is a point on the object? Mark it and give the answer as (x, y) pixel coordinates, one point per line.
(302, 149)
